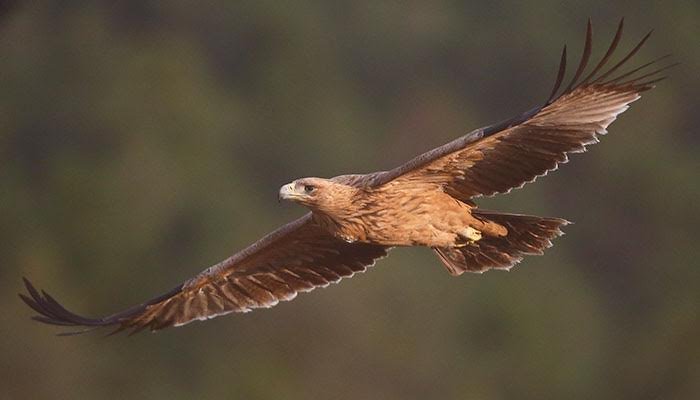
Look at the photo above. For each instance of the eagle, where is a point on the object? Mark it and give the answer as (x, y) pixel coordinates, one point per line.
(354, 220)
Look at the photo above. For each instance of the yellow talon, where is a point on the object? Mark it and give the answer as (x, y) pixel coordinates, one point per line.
(472, 234)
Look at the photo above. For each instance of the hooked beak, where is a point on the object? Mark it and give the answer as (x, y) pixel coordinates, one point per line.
(287, 192)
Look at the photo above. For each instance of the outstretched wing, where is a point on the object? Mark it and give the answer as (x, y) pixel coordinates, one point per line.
(298, 257)
(501, 157)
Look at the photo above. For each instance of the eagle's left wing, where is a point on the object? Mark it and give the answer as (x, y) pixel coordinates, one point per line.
(501, 157)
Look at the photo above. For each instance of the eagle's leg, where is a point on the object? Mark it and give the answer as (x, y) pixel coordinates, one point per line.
(469, 236)
(472, 234)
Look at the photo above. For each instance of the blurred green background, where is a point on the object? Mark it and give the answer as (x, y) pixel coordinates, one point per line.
(143, 141)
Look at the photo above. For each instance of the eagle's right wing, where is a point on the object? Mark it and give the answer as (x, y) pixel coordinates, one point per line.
(297, 257)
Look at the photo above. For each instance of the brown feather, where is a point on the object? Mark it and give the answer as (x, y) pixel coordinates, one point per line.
(527, 235)
(356, 219)
(498, 158)
(296, 258)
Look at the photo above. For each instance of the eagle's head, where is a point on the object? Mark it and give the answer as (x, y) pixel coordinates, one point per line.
(318, 194)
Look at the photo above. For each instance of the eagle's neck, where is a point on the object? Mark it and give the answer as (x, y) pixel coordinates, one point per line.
(346, 218)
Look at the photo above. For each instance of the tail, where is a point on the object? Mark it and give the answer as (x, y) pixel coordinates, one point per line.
(526, 235)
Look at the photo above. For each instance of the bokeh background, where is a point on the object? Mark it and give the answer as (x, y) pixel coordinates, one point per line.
(142, 141)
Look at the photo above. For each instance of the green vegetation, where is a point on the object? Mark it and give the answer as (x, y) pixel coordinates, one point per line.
(143, 141)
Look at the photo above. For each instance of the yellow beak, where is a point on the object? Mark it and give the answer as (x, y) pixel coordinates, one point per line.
(287, 192)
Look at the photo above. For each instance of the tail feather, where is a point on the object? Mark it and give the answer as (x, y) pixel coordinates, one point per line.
(527, 235)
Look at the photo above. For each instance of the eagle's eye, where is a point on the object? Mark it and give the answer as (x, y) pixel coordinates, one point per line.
(309, 188)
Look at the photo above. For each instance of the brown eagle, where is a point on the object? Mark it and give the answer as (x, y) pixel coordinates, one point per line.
(357, 219)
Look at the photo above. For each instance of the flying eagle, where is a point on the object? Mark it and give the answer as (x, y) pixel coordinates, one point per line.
(356, 219)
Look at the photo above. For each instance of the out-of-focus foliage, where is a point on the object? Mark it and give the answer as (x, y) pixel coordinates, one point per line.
(141, 141)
